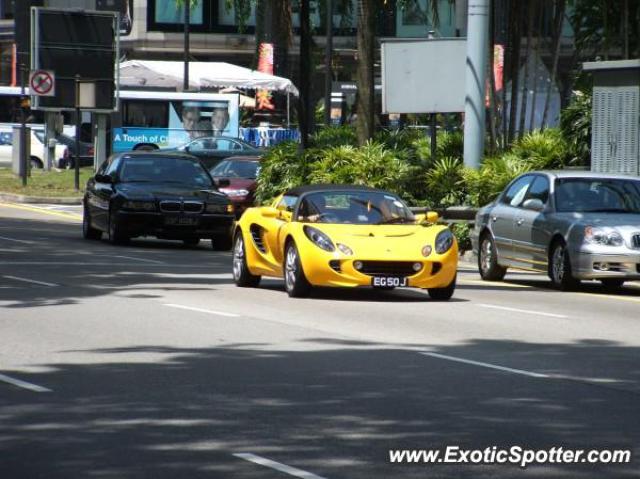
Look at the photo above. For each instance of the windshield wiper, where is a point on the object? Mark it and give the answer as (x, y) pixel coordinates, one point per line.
(610, 210)
(399, 219)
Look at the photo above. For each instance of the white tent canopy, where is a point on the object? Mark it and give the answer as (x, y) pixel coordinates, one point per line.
(169, 74)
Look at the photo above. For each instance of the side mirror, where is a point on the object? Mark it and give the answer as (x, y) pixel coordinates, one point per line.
(186, 149)
(221, 182)
(270, 212)
(103, 178)
(428, 217)
(533, 204)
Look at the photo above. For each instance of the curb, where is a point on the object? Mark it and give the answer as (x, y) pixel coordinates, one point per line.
(39, 199)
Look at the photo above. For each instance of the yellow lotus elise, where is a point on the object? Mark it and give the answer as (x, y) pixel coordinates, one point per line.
(344, 236)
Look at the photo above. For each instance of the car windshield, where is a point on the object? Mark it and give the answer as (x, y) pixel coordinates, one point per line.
(597, 195)
(236, 169)
(354, 207)
(164, 170)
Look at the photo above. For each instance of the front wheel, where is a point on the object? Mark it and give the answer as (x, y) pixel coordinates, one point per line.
(488, 265)
(35, 163)
(295, 282)
(221, 242)
(191, 241)
(443, 294)
(560, 268)
(116, 235)
(241, 274)
(88, 231)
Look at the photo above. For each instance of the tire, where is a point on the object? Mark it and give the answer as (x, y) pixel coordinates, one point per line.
(443, 294)
(560, 268)
(145, 148)
(69, 164)
(35, 163)
(295, 282)
(242, 277)
(88, 231)
(116, 236)
(612, 284)
(191, 241)
(488, 265)
(221, 243)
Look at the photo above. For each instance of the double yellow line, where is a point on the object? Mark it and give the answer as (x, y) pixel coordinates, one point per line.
(35, 209)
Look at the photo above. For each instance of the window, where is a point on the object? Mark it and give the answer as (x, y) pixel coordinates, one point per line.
(515, 194)
(150, 114)
(597, 195)
(165, 16)
(287, 203)
(539, 190)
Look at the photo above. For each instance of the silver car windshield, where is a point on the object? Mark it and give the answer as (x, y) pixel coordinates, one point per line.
(597, 195)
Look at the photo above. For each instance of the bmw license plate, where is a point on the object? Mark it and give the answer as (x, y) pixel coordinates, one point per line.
(180, 221)
(388, 281)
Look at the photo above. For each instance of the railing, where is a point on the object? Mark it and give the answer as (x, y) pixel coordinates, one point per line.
(263, 136)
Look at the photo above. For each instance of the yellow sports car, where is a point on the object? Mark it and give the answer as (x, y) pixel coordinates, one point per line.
(345, 236)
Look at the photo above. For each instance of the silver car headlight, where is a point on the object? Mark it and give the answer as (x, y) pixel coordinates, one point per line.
(240, 193)
(139, 205)
(318, 238)
(603, 236)
(444, 241)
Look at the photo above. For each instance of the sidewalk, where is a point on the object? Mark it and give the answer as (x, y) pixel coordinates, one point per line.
(49, 200)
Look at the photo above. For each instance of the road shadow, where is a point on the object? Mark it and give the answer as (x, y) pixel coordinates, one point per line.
(334, 409)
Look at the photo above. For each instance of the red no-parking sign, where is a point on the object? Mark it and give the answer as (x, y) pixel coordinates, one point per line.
(42, 83)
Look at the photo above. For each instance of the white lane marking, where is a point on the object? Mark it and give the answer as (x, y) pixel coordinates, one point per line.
(486, 365)
(15, 240)
(24, 384)
(278, 466)
(138, 259)
(26, 280)
(525, 311)
(201, 310)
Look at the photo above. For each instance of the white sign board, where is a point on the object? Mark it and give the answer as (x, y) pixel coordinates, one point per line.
(423, 76)
(42, 83)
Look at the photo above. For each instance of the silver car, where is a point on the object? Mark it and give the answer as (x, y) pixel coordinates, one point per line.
(573, 225)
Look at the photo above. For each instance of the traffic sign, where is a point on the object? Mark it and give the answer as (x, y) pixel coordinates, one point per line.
(42, 83)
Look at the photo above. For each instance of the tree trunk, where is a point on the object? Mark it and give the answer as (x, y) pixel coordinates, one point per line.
(525, 80)
(557, 35)
(493, 110)
(365, 127)
(625, 28)
(534, 98)
(516, 23)
(274, 26)
(304, 102)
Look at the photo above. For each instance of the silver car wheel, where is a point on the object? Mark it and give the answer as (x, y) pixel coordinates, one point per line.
(557, 264)
(291, 268)
(238, 258)
(486, 255)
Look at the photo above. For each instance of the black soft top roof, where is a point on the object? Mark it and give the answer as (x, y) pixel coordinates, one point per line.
(301, 190)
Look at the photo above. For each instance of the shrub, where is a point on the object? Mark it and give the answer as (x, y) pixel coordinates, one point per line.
(283, 167)
(575, 123)
(543, 149)
(462, 232)
(445, 183)
(450, 144)
(334, 136)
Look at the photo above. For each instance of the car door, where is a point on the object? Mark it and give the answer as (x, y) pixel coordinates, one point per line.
(102, 194)
(274, 226)
(530, 232)
(503, 215)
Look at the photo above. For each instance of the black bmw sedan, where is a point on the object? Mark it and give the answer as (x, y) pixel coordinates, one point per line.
(166, 195)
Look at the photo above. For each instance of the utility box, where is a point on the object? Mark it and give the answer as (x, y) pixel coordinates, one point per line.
(615, 125)
(21, 142)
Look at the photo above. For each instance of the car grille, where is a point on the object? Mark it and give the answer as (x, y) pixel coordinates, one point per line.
(635, 241)
(169, 206)
(388, 268)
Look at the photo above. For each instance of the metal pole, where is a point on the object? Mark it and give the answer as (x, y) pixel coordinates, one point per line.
(23, 127)
(328, 59)
(187, 25)
(476, 72)
(76, 157)
(288, 112)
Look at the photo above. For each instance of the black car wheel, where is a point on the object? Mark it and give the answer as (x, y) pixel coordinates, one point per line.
(443, 294)
(35, 163)
(221, 242)
(241, 274)
(116, 235)
(295, 281)
(612, 284)
(88, 231)
(191, 241)
(560, 268)
(488, 265)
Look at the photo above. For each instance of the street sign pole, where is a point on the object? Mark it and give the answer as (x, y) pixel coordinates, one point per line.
(23, 126)
(76, 158)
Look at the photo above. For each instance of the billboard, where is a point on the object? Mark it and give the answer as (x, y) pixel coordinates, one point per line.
(75, 45)
(423, 76)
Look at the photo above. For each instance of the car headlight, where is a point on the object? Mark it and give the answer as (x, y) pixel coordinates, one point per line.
(240, 193)
(218, 208)
(139, 205)
(444, 241)
(602, 236)
(318, 238)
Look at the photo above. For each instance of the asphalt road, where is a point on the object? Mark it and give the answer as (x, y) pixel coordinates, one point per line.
(145, 361)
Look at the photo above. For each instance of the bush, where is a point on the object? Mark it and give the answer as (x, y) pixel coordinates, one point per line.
(445, 183)
(575, 123)
(334, 136)
(462, 232)
(282, 168)
(543, 149)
